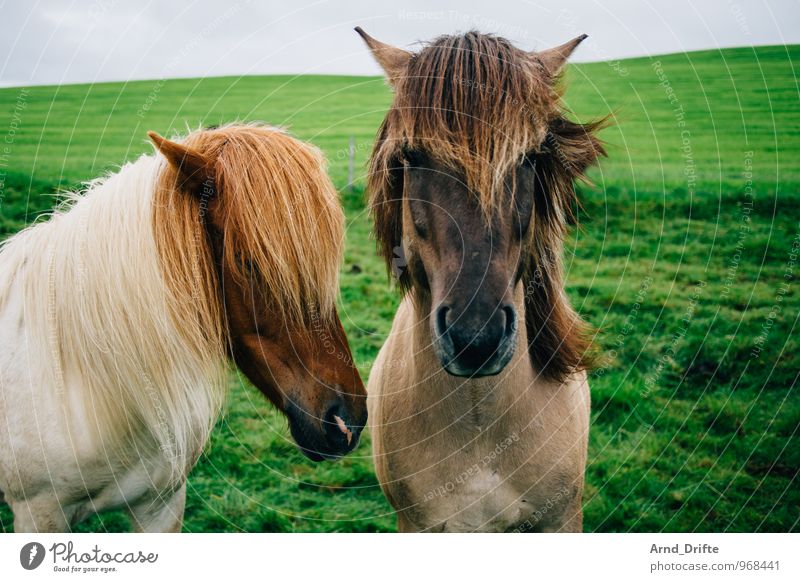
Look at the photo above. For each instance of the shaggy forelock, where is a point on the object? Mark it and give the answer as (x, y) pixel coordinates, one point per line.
(476, 102)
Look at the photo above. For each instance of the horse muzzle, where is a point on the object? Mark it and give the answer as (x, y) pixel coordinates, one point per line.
(330, 436)
(474, 349)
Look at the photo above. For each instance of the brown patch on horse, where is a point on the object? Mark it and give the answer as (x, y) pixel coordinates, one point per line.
(482, 106)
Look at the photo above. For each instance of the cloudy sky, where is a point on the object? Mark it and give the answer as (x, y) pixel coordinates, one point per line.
(70, 41)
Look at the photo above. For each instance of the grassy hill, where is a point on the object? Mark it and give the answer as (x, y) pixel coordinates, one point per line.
(685, 259)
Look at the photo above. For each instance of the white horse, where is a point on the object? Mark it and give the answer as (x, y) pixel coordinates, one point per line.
(117, 335)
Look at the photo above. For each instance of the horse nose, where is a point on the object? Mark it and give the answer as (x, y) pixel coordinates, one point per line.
(475, 343)
(341, 430)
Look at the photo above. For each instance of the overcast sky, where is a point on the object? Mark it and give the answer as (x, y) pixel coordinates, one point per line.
(63, 41)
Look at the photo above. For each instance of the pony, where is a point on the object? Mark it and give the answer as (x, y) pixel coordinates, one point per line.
(120, 317)
(478, 400)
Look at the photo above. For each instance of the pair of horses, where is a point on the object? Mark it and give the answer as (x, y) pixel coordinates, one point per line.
(121, 314)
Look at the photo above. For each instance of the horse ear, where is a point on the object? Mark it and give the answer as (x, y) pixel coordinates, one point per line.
(193, 167)
(392, 60)
(555, 58)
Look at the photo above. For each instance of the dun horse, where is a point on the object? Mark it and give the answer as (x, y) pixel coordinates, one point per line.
(479, 403)
(119, 315)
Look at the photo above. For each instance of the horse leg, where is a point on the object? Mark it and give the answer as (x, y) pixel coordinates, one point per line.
(160, 514)
(40, 515)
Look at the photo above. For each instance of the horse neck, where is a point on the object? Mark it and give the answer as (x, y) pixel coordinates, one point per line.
(99, 303)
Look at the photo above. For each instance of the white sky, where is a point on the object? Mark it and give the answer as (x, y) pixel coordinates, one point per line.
(70, 41)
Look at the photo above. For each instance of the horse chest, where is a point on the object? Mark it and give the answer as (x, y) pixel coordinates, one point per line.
(499, 453)
(512, 469)
(47, 443)
(473, 490)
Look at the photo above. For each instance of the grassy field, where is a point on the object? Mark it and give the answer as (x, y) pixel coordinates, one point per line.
(686, 260)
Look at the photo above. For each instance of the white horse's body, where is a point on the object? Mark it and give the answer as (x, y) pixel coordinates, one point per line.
(103, 400)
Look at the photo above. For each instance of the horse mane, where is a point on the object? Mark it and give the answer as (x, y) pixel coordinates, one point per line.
(283, 223)
(122, 295)
(480, 106)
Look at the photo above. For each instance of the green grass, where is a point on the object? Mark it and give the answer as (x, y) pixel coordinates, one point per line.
(695, 410)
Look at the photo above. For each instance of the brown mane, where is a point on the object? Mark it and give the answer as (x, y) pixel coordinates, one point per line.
(480, 105)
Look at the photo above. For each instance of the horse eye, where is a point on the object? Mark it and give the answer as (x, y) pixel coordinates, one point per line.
(421, 229)
(418, 218)
(529, 160)
(412, 157)
(249, 267)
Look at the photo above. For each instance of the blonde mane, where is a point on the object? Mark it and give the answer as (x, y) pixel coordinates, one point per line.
(121, 289)
(283, 223)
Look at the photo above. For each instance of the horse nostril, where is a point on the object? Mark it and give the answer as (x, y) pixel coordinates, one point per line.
(441, 320)
(511, 321)
(337, 428)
